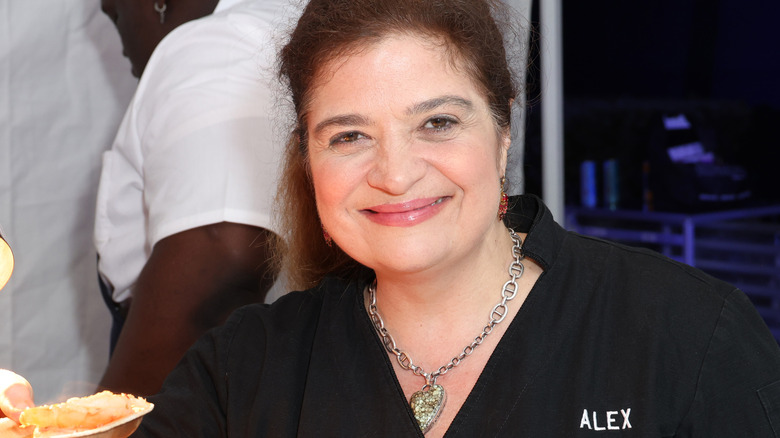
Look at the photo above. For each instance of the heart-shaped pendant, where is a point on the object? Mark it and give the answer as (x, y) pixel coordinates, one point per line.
(427, 405)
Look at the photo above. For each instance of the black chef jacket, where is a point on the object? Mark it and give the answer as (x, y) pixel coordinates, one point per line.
(611, 341)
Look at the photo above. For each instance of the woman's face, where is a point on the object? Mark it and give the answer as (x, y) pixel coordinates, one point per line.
(405, 157)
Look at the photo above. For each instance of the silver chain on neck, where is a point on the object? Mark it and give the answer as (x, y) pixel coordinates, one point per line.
(497, 315)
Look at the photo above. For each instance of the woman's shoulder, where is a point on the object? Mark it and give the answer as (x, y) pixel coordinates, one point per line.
(294, 312)
(648, 269)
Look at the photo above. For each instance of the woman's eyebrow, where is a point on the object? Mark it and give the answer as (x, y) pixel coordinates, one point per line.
(341, 120)
(418, 108)
(437, 102)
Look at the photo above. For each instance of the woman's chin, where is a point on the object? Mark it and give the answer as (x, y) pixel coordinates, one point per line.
(410, 255)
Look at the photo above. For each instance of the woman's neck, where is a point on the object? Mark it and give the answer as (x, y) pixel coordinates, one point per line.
(458, 278)
(447, 305)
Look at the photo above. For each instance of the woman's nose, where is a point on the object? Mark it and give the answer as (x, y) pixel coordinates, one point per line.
(396, 167)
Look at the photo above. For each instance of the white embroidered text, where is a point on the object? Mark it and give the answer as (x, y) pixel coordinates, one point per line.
(609, 420)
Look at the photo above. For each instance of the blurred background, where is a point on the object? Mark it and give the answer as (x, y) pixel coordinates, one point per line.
(671, 110)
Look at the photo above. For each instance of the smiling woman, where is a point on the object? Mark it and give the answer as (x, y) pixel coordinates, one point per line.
(431, 309)
(407, 157)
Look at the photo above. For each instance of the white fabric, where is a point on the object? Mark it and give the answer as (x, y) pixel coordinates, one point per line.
(197, 144)
(63, 88)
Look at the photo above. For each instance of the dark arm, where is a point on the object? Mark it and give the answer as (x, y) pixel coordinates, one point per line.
(192, 281)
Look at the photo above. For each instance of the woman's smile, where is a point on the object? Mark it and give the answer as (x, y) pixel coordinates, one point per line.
(405, 214)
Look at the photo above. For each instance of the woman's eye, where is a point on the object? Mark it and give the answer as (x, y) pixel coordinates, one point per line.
(346, 137)
(439, 123)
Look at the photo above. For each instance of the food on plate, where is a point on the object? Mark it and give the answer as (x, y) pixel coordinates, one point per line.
(83, 413)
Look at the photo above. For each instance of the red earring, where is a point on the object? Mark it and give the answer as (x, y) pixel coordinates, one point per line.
(327, 237)
(504, 203)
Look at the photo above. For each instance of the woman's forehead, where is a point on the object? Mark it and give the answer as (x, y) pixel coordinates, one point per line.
(396, 77)
(434, 42)
(395, 60)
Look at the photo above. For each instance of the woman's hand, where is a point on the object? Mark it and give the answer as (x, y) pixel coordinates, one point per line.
(16, 394)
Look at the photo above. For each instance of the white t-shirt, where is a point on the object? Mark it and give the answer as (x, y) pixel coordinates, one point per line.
(197, 145)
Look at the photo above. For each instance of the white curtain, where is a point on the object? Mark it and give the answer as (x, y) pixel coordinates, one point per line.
(63, 87)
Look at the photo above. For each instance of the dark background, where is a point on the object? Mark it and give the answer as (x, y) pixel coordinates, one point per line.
(627, 64)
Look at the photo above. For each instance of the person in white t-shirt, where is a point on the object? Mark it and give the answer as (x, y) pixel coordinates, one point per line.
(183, 221)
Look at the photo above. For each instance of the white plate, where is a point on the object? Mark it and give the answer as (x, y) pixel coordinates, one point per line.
(121, 428)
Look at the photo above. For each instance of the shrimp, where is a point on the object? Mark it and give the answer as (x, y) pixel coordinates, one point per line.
(83, 413)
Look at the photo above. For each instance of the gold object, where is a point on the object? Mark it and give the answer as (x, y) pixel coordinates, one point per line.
(427, 405)
(6, 261)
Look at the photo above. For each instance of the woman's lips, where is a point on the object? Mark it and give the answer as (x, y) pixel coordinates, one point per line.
(405, 214)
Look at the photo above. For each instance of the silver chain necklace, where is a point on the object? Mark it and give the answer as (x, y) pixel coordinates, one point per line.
(428, 403)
